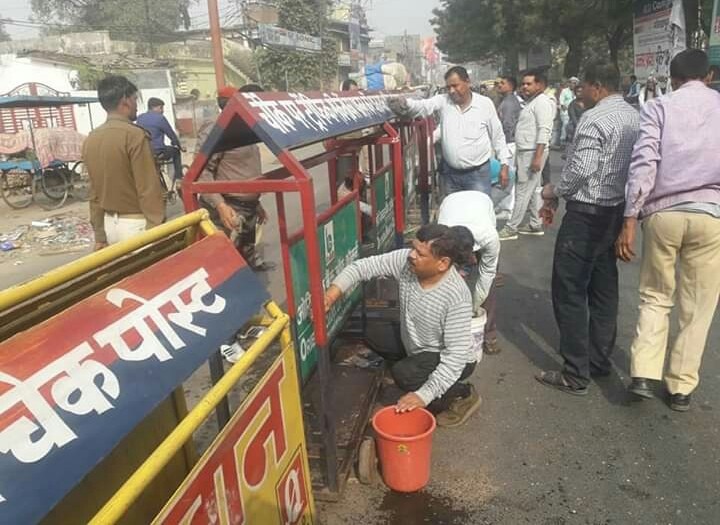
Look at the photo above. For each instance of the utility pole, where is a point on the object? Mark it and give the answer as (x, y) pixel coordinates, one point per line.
(148, 29)
(216, 40)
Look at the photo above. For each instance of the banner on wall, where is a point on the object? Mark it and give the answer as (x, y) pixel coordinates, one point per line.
(659, 35)
(714, 50)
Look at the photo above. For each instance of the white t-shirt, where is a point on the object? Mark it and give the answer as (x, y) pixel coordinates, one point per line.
(475, 211)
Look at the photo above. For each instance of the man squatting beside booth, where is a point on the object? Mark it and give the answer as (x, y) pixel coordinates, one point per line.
(431, 349)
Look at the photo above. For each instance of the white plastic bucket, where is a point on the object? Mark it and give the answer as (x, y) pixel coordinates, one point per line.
(477, 331)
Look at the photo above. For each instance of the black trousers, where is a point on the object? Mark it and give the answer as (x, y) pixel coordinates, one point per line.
(247, 212)
(585, 290)
(410, 372)
(174, 154)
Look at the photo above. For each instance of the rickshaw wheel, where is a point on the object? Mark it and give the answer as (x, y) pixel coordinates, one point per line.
(53, 185)
(79, 181)
(368, 473)
(17, 188)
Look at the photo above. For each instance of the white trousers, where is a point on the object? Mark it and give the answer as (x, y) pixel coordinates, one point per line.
(119, 228)
(507, 197)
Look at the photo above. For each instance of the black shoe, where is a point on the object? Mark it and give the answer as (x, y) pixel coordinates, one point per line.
(641, 388)
(555, 379)
(680, 402)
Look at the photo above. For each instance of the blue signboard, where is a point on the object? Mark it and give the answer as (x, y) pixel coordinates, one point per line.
(73, 387)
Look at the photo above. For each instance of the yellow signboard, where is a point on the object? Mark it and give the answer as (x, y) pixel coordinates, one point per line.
(256, 471)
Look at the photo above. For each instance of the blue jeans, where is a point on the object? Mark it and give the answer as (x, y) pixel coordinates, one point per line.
(453, 180)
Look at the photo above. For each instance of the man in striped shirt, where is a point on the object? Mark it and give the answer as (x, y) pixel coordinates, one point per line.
(432, 353)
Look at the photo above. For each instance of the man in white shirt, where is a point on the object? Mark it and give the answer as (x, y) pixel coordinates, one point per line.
(567, 95)
(532, 138)
(471, 132)
(474, 210)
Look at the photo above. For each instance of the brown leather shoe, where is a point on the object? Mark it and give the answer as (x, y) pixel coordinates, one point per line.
(460, 410)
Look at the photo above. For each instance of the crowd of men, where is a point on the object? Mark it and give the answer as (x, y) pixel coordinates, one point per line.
(622, 166)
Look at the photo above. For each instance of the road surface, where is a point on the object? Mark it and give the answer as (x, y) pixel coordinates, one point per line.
(535, 455)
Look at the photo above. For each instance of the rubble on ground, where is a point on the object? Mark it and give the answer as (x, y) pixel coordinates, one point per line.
(61, 233)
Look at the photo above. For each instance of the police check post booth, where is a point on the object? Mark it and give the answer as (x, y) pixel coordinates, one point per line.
(337, 400)
(94, 426)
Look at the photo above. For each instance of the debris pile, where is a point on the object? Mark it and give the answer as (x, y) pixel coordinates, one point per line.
(57, 234)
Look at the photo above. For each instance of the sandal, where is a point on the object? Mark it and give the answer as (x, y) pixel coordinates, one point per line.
(555, 379)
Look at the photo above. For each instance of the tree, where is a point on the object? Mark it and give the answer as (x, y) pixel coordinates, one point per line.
(141, 20)
(501, 29)
(483, 30)
(285, 69)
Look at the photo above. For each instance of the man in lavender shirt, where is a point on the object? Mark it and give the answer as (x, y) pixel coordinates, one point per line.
(674, 187)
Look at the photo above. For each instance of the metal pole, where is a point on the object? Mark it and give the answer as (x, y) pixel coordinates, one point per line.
(148, 29)
(217, 371)
(216, 40)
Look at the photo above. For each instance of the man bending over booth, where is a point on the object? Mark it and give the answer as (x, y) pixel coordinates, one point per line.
(432, 348)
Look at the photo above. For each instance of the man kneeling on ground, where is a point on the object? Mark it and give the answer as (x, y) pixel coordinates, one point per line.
(431, 350)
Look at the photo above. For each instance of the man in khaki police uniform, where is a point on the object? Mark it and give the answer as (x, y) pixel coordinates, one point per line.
(125, 193)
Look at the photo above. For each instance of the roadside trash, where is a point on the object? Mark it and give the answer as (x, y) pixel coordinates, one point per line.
(63, 233)
(232, 353)
(14, 235)
(17, 263)
(364, 358)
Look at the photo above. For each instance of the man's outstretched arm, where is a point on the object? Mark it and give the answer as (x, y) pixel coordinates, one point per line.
(385, 265)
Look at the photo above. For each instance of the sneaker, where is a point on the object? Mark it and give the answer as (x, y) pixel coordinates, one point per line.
(507, 235)
(460, 410)
(529, 230)
(503, 215)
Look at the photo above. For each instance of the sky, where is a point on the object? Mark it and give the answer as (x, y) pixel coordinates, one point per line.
(387, 17)
(394, 17)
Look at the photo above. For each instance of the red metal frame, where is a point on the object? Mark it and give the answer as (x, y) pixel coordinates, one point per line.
(293, 176)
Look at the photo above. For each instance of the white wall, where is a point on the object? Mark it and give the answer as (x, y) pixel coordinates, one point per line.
(15, 71)
(83, 113)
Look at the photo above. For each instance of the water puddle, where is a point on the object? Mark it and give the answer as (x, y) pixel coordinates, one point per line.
(422, 507)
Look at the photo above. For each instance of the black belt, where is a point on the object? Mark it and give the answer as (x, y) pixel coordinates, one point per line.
(594, 209)
(468, 170)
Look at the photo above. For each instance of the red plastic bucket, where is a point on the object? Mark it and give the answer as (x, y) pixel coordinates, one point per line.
(404, 444)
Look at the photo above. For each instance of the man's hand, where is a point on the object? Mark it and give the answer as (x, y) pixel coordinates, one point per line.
(625, 244)
(398, 105)
(262, 214)
(100, 246)
(504, 176)
(547, 212)
(228, 217)
(332, 295)
(550, 204)
(536, 165)
(409, 402)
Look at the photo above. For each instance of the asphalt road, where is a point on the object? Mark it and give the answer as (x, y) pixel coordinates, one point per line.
(535, 455)
(531, 454)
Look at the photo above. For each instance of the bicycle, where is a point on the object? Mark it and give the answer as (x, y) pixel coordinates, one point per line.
(168, 178)
(79, 181)
(24, 182)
